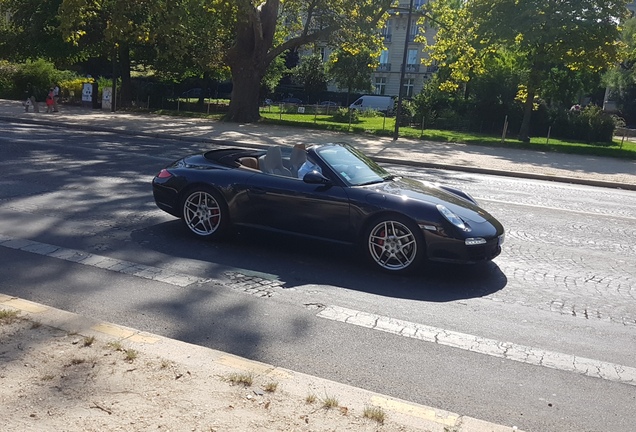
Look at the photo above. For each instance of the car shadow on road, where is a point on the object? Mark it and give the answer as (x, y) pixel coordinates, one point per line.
(297, 262)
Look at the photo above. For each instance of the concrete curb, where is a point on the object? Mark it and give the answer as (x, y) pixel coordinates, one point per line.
(450, 167)
(411, 416)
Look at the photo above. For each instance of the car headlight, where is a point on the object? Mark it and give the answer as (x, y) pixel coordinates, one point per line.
(452, 217)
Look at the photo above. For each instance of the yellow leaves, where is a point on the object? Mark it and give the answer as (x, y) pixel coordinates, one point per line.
(522, 96)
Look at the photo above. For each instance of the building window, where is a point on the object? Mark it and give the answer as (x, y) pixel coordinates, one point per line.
(413, 31)
(412, 62)
(408, 87)
(384, 61)
(386, 31)
(323, 54)
(380, 85)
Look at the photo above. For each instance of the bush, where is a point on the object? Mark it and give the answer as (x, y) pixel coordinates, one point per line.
(342, 115)
(590, 124)
(7, 81)
(33, 78)
(71, 90)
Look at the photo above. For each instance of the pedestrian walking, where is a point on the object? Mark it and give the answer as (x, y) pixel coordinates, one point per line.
(56, 97)
(49, 101)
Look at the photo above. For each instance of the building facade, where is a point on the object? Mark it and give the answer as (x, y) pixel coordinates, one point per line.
(386, 77)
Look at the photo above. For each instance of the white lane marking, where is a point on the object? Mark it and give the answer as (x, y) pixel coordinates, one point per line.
(507, 350)
(99, 261)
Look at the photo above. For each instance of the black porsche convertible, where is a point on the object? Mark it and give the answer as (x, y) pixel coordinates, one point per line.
(332, 192)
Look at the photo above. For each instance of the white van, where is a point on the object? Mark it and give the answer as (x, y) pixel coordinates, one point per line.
(373, 102)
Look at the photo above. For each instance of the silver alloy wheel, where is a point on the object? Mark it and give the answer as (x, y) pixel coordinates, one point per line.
(202, 213)
(392, 245)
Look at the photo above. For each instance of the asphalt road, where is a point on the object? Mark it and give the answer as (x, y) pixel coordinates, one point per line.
(562, 291)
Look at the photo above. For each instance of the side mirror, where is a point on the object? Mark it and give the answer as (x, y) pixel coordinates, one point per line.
(314, 177)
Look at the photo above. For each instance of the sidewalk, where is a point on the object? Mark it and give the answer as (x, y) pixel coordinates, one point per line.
(590, 170)
(61, 371)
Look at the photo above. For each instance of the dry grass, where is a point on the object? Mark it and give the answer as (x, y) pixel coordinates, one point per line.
(311, 398)
(131, 355)
(89, 340)
(330, 402)
(374, 413)
(8, 316)
(271, 387)
(245, 379)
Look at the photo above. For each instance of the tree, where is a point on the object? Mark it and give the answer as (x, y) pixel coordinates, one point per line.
(311, 74)
(575, 34)
(351, 69)
(189, 38)
(32, 32)
(267, 28)
(109, 28)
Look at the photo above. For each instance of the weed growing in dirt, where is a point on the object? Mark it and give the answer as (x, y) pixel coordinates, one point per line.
(8, 316)
(131, 355)
(329, 402)
(311, 398)
(271, 387)
(88, 341)
(243, 379)
(374, 413)
(116, 345)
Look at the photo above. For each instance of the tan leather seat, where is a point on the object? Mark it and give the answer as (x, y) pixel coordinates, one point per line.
(249, 162)
(273, 162)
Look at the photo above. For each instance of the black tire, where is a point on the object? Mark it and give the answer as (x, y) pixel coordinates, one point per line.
(205, 213)
(394, 244)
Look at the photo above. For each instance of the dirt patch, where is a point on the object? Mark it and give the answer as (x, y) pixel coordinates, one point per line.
(54, 381)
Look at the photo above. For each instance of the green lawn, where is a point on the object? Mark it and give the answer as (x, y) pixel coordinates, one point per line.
(382, 126)
(385, 127)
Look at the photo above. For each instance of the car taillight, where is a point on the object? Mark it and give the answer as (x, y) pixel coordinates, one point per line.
(164, 173)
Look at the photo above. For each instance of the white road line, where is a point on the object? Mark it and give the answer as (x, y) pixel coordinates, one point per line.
(507, 350)
(112, 264)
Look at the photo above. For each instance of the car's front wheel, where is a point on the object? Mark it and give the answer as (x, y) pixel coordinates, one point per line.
(205, 213)
(394, 244)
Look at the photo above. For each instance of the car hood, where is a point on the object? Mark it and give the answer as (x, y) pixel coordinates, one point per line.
(429, 193)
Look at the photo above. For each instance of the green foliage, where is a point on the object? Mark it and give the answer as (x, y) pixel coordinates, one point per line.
(34, 78)
(351, 69)
(590, 124)
(544, 36)
(8, 72)
(310, 73)
(344, 115)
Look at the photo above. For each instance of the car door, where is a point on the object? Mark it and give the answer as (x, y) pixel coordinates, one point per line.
(290, 204)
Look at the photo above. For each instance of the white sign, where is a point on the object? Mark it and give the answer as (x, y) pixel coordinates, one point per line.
(107, 93)
(87, 92)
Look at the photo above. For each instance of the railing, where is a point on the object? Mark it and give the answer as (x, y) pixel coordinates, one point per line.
(384, 67)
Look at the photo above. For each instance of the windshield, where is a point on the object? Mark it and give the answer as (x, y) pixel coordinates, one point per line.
(354, 167)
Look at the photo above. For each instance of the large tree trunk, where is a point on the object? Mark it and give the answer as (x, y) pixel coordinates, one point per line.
(249, 58)
(533, 82)
(246, 84)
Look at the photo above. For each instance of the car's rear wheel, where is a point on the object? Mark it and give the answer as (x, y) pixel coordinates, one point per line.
(394, 244)
(205, 213)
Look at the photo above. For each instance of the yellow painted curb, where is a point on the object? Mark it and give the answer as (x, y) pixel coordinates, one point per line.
(416, 411)
(25, 305)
